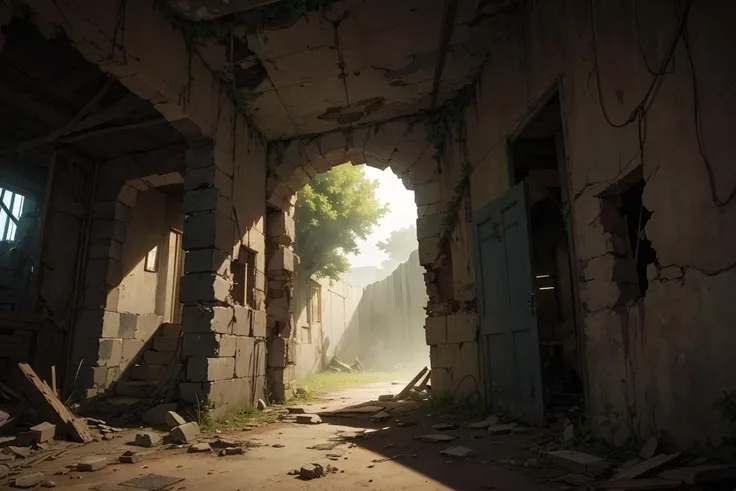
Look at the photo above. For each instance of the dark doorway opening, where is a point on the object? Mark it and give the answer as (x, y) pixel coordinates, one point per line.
(538, 160)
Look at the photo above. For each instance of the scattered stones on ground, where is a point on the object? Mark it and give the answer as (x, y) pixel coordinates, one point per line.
(199, 447)
(295, 410)
(174, 419)
(444, 426)
(91, 464)
(459, 452)
(28, 480)
(147, 439)
(185, 433)
(381, 416)
(311, 471)
(482, 425)
(435, 438)
(649, 448)
(502, 429)
(43, 432)
(386, 398)
(262, 405)
(129, 457)
(308, 419)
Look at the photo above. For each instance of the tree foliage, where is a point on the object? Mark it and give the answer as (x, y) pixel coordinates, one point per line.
(332, 212)
(398, 246)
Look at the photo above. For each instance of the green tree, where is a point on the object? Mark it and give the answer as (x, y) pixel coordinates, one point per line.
(398, 246)
(332, 212)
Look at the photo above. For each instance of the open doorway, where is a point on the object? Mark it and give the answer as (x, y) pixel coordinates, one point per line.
(538, 160)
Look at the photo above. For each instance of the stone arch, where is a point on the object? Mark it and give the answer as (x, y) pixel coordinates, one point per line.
(399, 145)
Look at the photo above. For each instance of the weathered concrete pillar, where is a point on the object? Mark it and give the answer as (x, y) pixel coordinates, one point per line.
(280, 269)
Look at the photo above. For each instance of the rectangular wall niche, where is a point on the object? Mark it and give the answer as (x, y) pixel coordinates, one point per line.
(625, 217)
(243, 270)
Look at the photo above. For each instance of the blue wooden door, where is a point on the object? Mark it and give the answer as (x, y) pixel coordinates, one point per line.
(508, 321)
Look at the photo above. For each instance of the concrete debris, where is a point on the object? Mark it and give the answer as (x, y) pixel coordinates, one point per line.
(311, 471)
(22, 452)
(199, 447)
(234, 451)
(386, 398)
(147, 440)
(482, 425)
(295, 410)
(577, 479)
(503, 429)
(701, 474)
(29, 480)
(459, 452)
(262, 405)
(173, 419)
(4, 470)
(575, 461)
(109, 436)
(435, 438)
(381, 416)
(649, 448)
(48, 484)
(91, 464)
(129, 457)
(43, 432)
(445, 426)
(645, 467)
(185, 433)
(157, 415)
(308, 419)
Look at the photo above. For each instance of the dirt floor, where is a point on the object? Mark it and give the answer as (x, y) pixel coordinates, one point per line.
(502, 461)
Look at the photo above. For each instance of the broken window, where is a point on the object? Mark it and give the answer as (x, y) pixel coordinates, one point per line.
(315, 303)
(625, 217)
(243, 270)
(11, 207)
(151, 264)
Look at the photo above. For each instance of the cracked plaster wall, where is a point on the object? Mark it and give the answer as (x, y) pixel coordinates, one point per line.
(669, 357)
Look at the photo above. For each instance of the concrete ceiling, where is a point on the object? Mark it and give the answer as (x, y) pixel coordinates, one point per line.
(358, 62)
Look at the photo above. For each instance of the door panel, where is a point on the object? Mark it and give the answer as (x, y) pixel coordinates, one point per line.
(510, 341)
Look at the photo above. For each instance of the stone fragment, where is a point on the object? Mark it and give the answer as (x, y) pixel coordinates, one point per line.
(22, 452)
(173, 419)
(185, 433)
(295, 410)
(311, 471)
(501, 429)
(28, 480)
(575, 461)
(261, 405)
(147, 440)
(459, 452)
(649, 448)
(91, 464)
(444, 426)
(435, 438)
(381, 416)
(48, 484)
(386, 398)
(129, 457)
(234, 451)
(482, 425)
(156, 416)
(43, 432)
(200, 447)
(4, 470)
(308, 419)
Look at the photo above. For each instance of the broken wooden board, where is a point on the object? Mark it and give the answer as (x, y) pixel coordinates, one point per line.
(701, 474)
(423, 385)
(645, 467)
(50, 407)
(405, 391)
(639, 484)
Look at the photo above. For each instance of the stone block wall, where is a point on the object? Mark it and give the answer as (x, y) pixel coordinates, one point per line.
(454, 355)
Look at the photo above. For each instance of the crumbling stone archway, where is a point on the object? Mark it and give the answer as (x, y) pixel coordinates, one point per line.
(398, 144)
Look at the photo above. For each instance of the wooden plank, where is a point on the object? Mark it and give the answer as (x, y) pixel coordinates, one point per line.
(645, 467)
(50, 407)
(405, 391)
(424, 383)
